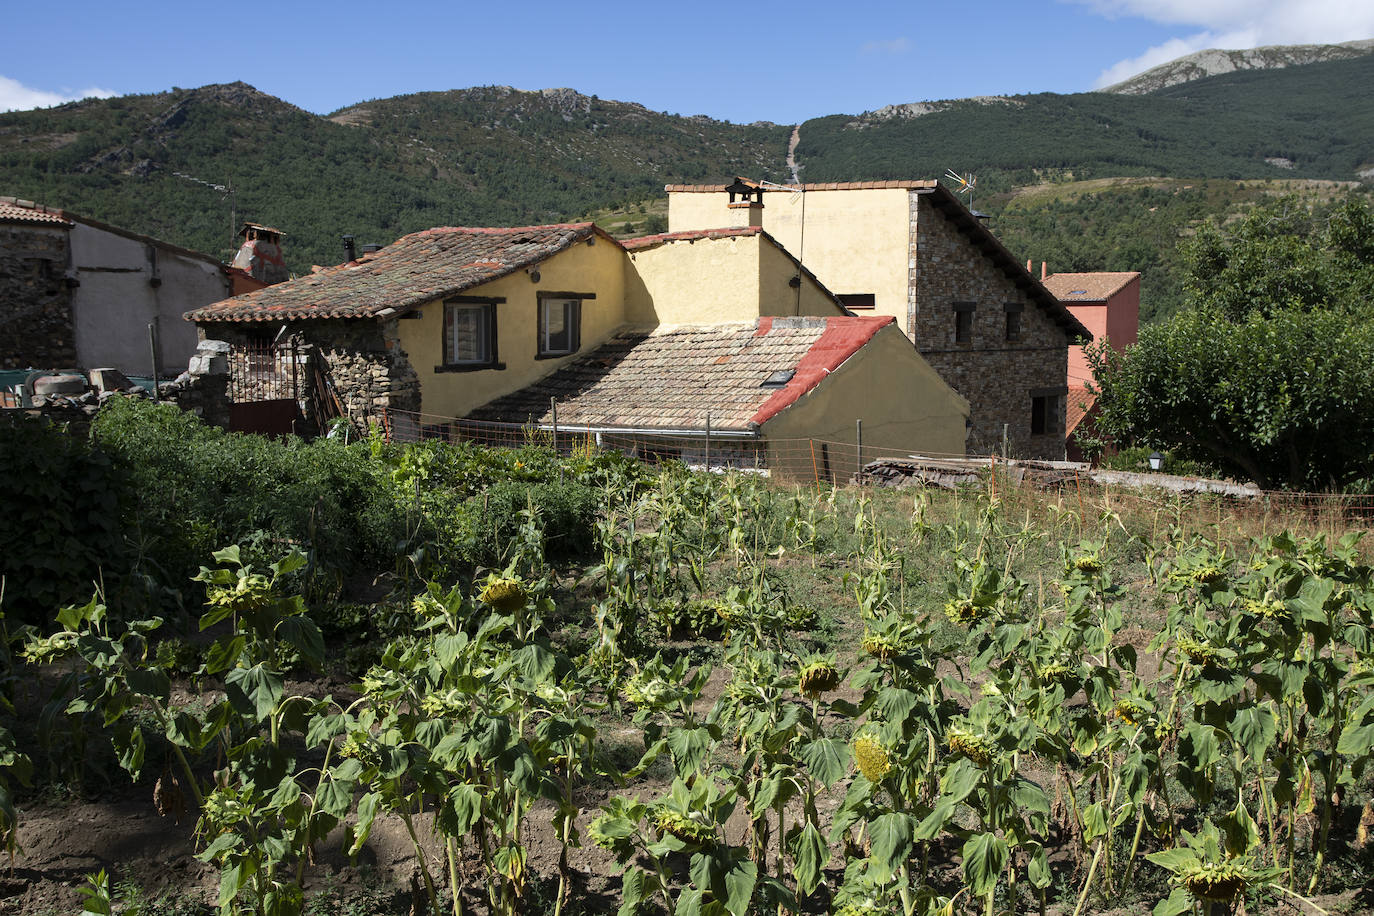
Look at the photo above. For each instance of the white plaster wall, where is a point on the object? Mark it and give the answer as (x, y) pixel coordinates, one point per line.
(116, 301)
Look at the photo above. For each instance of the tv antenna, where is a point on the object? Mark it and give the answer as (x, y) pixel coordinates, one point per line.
(965, 184)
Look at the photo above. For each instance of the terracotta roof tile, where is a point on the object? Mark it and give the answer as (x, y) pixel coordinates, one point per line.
(1079, 402)
(411, 271)
(691, 235)
(14, 210)
(668, 378)
(1089, 287)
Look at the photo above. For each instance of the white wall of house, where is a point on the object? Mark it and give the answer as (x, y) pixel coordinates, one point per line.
(118, 299)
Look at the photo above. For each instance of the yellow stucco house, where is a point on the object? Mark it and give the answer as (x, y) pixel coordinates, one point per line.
(476, 324)
(912, 250)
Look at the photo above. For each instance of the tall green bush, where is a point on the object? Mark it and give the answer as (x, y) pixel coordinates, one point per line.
(59, 531)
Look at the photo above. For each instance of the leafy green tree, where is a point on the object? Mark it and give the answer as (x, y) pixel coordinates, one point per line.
(1270, 373)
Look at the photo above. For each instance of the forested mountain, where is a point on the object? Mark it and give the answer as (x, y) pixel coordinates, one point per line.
(1214, 61)
(482, 157)
(494, 155)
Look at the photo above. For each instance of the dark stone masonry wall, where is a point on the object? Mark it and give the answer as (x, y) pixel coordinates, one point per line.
(35, 301)
(998, 377)
(363, 359)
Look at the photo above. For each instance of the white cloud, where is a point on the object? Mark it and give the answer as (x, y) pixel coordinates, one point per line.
(1235, 25)
(889, 46)
(15, 96)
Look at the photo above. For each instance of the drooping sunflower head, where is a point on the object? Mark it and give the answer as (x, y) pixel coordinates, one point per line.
(975, 747)
(881, 645)
(964, 611)
(872, 755)
(682, 826)
(819, 675)
(1214, 881)
(1132, 711)
(506, 595)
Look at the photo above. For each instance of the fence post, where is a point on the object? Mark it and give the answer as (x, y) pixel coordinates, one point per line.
(553, 408)
(859, 448)
(152, 346)
(815, 472)
(708, 441)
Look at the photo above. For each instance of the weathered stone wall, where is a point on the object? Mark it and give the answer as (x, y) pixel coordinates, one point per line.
(998, 377)
(363, 359)
(35, 300)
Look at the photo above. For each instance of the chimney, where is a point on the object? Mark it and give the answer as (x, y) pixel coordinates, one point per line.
(1028, 265)
(350, 252)
(1043, 274)
(260, 254)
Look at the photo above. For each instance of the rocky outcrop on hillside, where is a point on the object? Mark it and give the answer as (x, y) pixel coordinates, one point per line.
(1213, 62)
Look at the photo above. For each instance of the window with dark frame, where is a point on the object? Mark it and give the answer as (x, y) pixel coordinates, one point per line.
(1013, 310)
(963, 322)
(470, 333)
(560, 324)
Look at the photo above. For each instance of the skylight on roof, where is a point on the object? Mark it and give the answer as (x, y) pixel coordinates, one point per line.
(778, 379)
(1078, 292)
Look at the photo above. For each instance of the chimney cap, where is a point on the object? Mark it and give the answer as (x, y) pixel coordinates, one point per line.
(260, 228)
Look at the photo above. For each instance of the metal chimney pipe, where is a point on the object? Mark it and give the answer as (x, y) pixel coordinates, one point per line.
(350, 252)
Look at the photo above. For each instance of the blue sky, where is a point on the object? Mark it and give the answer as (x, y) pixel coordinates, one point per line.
(739, 61)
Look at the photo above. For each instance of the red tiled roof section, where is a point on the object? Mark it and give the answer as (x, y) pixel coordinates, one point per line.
(1088, 287)
(840, 340)
(14, 210)
(416, 269)
(691, 235)
(1078, 404)
(672, 376)
(906, 183)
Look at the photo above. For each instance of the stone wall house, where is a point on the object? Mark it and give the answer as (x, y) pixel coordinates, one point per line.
(913, 251)
(35, 296)
(79, 293)
(443, 323)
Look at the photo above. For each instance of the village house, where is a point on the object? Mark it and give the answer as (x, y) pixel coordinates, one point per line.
(718, 329)
(79, 293)
(1107, 303)
(911, 250)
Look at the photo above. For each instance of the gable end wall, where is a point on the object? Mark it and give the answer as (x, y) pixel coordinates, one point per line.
(998, 377)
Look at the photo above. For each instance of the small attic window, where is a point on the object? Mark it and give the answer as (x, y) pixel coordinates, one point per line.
(778, 379)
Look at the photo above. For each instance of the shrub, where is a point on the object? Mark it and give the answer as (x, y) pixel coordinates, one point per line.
(59, 531)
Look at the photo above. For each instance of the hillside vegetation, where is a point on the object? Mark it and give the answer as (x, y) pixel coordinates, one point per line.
(1153, 164)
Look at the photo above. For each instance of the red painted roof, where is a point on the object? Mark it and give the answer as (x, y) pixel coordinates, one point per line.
(411, 271)
(841, 339)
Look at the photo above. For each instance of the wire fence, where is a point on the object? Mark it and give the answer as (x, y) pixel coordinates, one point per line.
(829, 462)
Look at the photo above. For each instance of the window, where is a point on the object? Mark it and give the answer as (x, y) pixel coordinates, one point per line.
(963, 322)
(1045, 410)
(470, 333)
(1013, 310)
(560, 323)
(863, 301)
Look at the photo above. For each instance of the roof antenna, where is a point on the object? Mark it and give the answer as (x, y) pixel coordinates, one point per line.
(965, 182)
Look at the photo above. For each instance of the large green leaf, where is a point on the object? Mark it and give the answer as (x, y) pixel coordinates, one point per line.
(302, 635)
(890, 836)
(809, 855)
(985, 855)
(826, 758)
(254, 691)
